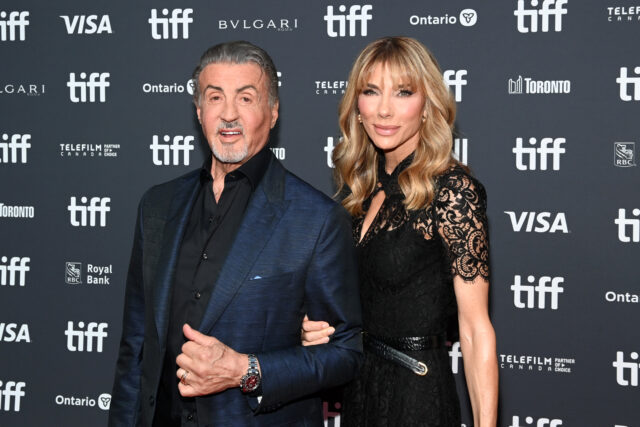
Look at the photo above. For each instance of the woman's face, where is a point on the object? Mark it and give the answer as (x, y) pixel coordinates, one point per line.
(391, 114)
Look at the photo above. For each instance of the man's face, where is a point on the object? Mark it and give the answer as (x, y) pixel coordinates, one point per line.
(234, 110)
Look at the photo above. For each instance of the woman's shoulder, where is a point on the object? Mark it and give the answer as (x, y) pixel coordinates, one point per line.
(458, 180)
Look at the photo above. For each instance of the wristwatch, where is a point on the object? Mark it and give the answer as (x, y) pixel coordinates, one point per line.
(251, 380)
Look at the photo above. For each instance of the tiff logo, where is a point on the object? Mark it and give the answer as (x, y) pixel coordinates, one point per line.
(549, 147)
(625, 81)
(97, 83)
(12, 393)
(628, 224)
(329, 150)
(9, 149)
(631, 367)
(180, 18)
(97, 206)
(549, 8)
(87, 24)
(455, 78)
(77, 338)
(538, 222)
(460, 150)
(545, 285)
(356, 14)
(180, 144)
(541, 422)
(16, 270)
(16, 20)
(456, 355)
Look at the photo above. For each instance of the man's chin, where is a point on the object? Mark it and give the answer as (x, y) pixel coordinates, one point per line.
(230, 157)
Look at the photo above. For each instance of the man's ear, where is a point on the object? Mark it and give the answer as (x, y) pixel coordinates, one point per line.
(274, 113)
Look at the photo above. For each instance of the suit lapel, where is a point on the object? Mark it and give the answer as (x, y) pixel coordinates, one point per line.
(262, 216)
(177, 219)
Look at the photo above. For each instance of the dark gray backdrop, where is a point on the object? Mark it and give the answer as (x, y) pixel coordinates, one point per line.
(568, 237)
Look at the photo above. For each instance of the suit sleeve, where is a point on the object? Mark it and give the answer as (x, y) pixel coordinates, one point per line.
(125, 400)
(331, 294)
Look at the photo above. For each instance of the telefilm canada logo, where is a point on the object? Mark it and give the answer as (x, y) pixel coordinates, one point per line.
(537, 363)
(529, 86)
(70, 150)
(270, 23)
(74, 274)
(466, 18)
(103, 401)
(624, 154)
(623, 13)
(330, 87)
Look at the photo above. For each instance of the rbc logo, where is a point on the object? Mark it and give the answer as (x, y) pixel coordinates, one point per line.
(180, 144)
(548, 147)
(12, 393)
(356, 14)
(97, 83)
(625, 81)
(179, 18)
(549, 8)
(16, 21)
(546, 285)
(529, 421)
(16, 269)
(87, 24)
(540, 220)
(9, 149)
(97, 206)
(455, 78)
(631, 367)
(628, 224)
(82, 340)
(8, 333)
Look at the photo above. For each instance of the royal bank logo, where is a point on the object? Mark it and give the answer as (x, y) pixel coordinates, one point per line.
(628, 228)
(533, 294)
(22, 89)
(627, 369)
(172, 24)
(14, 332)
(88, 87)
(629, 85)
(94, 274)
(466, 18)
(9, 211)
(357, 19)
(538, 222)
(624, 154)
(545, 12)
(274, 24)
(536, 363)
(454, 79)
(539, 154)
(13, 270)
(89, 212)
(535, 422)
(621, 297)
(103, 401)
(73, 273)
(172, 151)
(87, 338)
(13, 148)
(529, 86)
(13, 25)
(623, 13)
(330, 87)
(87, 24)
(11, 393)
(89, 150)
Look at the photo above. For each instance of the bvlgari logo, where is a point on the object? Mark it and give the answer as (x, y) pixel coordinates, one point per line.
(267, 23)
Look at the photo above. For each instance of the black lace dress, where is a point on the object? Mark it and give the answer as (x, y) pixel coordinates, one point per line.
(407, 261)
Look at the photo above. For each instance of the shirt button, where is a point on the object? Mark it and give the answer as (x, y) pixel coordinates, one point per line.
(204, 256)
(190, 417)
(197, 295)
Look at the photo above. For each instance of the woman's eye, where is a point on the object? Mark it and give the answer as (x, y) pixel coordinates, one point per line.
(405, 92)
(368, 92)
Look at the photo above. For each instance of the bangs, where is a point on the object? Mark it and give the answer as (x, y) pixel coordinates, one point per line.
(405, 73)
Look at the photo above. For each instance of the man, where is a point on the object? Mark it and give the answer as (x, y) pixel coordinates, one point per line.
(226, 262)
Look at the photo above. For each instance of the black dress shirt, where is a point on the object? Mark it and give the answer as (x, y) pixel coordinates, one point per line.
(207, 240)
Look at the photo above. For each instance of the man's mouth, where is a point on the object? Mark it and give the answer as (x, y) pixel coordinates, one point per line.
(225, 132)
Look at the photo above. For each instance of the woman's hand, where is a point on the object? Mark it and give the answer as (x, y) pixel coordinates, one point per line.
(314, 333)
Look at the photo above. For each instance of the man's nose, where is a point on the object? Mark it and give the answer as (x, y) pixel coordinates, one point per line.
(229, 111)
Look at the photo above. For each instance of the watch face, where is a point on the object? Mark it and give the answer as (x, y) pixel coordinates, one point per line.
(251, 382)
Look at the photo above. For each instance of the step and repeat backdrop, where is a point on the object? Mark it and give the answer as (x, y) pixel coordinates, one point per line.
(95, 107)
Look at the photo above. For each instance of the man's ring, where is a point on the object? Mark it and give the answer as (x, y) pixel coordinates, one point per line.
(183, 379)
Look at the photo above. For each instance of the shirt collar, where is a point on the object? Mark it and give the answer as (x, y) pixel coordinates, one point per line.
(253, 169)
(390, 181)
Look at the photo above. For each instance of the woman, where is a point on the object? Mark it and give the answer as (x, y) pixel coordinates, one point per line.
(420, 227)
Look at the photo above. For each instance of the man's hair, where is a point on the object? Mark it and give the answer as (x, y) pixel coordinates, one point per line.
(238, 52)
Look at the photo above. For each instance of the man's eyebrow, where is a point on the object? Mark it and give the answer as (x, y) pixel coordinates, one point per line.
(243, 88)
(212, 87)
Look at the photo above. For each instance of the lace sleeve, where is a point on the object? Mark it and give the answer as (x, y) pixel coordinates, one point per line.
(460, 208)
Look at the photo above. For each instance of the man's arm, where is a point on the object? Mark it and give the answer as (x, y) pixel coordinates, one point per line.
(125, 399)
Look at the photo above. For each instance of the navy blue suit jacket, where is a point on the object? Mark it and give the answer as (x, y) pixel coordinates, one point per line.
(292, 255)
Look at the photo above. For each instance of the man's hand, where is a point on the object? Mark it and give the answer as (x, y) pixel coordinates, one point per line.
(207, 365)
(314, 333)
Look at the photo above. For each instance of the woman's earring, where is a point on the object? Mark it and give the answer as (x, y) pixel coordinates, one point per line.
(359, 118)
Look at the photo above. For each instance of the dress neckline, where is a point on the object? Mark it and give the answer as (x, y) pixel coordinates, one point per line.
(389, 182)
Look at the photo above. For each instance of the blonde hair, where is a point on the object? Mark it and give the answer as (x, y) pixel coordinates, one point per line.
(355, 157)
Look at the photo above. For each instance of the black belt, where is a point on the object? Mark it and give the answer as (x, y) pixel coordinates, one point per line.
(389, 348)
